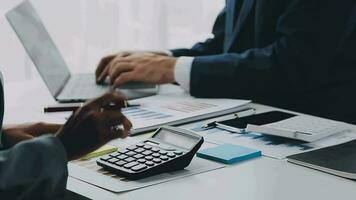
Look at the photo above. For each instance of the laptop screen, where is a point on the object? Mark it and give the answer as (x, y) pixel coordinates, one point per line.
(39, 45)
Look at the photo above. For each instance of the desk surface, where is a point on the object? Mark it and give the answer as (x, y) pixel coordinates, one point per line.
(261, 178)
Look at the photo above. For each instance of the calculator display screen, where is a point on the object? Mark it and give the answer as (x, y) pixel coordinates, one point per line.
(176, 139)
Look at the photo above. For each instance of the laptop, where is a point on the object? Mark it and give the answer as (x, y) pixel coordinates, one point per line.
(62, 84)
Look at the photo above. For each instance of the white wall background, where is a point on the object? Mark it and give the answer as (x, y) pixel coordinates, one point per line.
(86, 30)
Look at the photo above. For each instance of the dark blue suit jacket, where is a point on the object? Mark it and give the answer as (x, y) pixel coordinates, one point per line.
(295, 54)
(32, 169)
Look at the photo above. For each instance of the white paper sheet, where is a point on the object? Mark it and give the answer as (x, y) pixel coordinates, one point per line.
(177, 109)
(89, 172)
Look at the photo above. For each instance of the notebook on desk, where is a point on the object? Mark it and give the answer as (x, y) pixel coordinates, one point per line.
(339, 160)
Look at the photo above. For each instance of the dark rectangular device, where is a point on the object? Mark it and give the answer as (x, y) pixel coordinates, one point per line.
(258, 119)
(169, 149)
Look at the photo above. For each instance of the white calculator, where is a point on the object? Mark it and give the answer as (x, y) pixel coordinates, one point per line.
(277, 123)
(300, 127)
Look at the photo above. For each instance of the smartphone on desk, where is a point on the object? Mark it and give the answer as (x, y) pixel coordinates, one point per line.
(258, 119)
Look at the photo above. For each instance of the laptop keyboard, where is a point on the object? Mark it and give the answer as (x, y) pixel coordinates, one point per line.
(83, 87)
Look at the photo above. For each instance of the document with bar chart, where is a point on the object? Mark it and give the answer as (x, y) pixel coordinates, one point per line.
(161, 110)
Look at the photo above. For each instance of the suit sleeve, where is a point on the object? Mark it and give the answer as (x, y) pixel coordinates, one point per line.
(212, 45)
(34, 169)
(298, 61)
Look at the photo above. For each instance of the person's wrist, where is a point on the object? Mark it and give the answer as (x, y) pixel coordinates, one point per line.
(60, 138)
(171, 62)
(66, 144)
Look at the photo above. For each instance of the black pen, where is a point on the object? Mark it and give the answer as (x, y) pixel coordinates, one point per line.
(67, 107)
(242, 113)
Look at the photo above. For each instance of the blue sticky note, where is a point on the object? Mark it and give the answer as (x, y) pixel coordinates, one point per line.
(228, 153)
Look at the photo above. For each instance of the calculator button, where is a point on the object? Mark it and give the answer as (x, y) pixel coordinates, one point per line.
(156, 155)
(164, 157)
(140, 145)
(131, 164)
(141, 160)
(130, 159)
(150, 163)
(178, 152)
(122, 151)
(139, 150)
(148, 157)
(122, 156)
(147, 147)
(114, 154)
(157, 160)
(131, 153)
(171, 155)
(146, 153)
(162, 152)
(155, 150)
(138, 167)
(131, 148)
(120, 163)
(138, 156)
(105, 158)
(113, 160)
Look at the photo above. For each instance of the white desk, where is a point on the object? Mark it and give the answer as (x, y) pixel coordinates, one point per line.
(262, 178)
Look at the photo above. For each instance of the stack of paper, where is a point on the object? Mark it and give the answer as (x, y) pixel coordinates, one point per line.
(161, 110)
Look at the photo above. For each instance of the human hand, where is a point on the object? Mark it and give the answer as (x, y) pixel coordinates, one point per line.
(136, 66)
(93, 125)
(13, 134)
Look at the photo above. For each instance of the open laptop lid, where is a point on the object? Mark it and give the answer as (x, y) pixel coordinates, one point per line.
(39, 45)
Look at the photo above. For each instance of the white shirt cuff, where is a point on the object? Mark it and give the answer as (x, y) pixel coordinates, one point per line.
(168, 52)
(182, 71)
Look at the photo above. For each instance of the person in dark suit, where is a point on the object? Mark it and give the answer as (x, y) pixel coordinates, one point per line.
(293, 54)
(33, 157)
